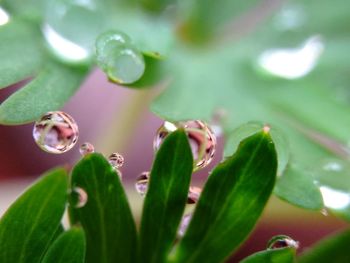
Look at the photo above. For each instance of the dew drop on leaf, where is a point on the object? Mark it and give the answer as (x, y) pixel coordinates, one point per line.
(193, 194)
(201, 138)
(282, 241)
(185, 221)
(86, 148)
(56, 132)
(116, 160)
(141, 184)
(79, 197)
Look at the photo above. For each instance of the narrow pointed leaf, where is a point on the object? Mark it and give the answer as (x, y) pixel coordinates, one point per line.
(284, 255)
(68, 248)
(231, 202)
(30, 224)
(332, 249)
(166, 197)
(106, 217)
(49, 91)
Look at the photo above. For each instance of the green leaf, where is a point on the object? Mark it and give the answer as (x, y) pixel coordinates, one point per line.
(231, 202)
(31, 222)
(29, 9)
(332, 249)
(166, 197)
(21, 52)
(49, 91)
(68, 248)
(106, 217)
(284, 255)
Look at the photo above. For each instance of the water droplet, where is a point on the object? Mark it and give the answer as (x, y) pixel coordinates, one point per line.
(324, 211)
(4, 17)
(282, 241)
(56, 132)
(141, 184)
(86, 148)
(71, 27)
(293, 63)
(202, 140)
(79, 197)
(193, 194)
(119, 58)
(185, 221)
(116, 160)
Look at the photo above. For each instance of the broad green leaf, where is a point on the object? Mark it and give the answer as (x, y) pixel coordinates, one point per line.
(332, 249)
(49, 91)
(68, 248)
(106, 217)
(29, 9)
(21, 52)
(166, 197)
(31, 222)
(284, 255)
(231, 202)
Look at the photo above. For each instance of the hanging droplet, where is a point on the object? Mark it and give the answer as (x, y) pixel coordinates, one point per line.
(119, 58)
(86, 148)
(282, 241)
(56, 132)
(78, 197)
(185, 221)
(116, 160)
(141, 184)
(193, 194)
(202, 140)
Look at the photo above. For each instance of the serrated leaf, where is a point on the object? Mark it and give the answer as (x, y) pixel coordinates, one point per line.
(68, 248)
(331, 249)
(231, 202)
(166, 197)
(31, 222)
(284, 255)
(21, 52)
(106, 217)
(49, 91)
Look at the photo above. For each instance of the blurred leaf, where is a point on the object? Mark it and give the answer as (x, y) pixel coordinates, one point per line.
(68, 248)
(21, 52)
(231, 202)
(29, 225)
(166, 197)
(284, 255)
(49, 91)
(106, 217)
(28, 9)
(332, 249)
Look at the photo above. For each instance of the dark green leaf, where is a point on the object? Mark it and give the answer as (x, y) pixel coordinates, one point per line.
(106, 217)
(20, 52)
(332, 249)
(68, 248)
(231, 202)
(49, 91)
(284, 255)
(166, 197)
(30, 224)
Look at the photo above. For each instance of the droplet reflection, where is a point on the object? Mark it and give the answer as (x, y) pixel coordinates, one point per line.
(141, 184)
(79, 197)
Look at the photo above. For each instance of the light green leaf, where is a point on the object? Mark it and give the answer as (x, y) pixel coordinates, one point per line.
(284, 255)
(29, 225)
(166, 197)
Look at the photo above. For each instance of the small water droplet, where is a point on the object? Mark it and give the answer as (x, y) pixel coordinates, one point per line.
(282, 241)
(56, 132)
(119, 58)
(193, 194)
(86, 148)
(141, 184)
(202, 140)
(185, 221)
(324, 211)
(79, 197)
(4, 17)
(116, 160)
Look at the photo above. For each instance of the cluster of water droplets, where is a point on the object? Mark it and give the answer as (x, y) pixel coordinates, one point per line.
(282, 241)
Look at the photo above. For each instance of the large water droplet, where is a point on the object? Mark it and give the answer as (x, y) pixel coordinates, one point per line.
(293, 63)
(185, 221)
(71, 27)
(4, 16)
(78, 197)
(193, 194)
(141, 184)
(86, 148)
(119, 58)
(202, 140)
(56, 132)
(116, 160)
(282, 241)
